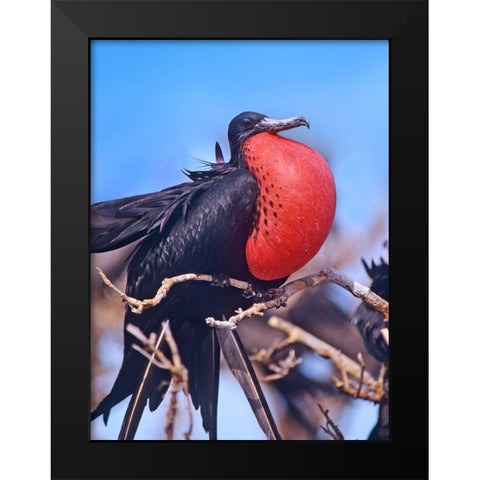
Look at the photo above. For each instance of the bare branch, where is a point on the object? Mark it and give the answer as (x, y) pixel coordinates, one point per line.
(282, 294)
(264, 355)
(178, 371)
(331, 428)
(138, 306)
(277, 298)
(299, 335)
(281, 367)
(349, 369)
(279, 295)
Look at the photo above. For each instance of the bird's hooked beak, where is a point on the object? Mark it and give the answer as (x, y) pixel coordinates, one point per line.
(248, 124)
(271, 125)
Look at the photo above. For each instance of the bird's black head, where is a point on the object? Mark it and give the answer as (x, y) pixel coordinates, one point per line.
(379, 273)
(247, 124)
(243, 126)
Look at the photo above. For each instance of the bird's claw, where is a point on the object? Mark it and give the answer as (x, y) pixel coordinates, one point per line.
(259, 295)
(220, 280)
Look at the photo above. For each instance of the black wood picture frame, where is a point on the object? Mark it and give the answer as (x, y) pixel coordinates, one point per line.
(405, 25)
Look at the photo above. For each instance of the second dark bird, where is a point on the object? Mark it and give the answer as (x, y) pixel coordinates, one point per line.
(374, 331)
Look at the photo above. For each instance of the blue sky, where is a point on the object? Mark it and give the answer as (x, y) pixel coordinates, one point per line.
(159, 106)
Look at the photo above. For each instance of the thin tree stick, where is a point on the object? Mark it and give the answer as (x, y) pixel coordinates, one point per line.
(331, 428)
(281, 368)
(341, 361)
(282, 294)
(178, 371)
(138, 306)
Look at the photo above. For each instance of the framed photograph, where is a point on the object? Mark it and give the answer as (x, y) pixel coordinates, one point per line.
(276, 152)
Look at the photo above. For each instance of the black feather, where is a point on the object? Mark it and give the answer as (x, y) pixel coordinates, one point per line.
(369, 321)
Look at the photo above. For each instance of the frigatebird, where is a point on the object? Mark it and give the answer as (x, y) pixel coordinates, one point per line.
(372, 327)
(258, 217)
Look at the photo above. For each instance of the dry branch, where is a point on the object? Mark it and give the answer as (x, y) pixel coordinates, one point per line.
(276, 298)
(282, 294)
(362, 373)
(349, 369)
(138, 306)
(178, 371)
(321, 348)
(279, 295)
(331, 428)
(281, 368)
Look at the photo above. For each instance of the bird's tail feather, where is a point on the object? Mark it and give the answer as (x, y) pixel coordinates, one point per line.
(134, 367)
(121, 389)
(200, 353)
(242, 369)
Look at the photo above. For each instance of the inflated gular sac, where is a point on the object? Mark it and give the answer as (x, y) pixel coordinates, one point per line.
(295, 208)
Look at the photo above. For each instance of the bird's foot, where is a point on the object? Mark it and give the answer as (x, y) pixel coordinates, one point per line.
(258, 294)
(220, 280)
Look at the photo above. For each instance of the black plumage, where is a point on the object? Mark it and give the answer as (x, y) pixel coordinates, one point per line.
(370, 324)
(369, 321)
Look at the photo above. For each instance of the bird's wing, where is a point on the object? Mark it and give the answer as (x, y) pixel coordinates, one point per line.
(117, 223)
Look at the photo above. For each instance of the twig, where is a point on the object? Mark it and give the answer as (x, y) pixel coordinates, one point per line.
(331, 428)
(138, 306)
(282, 294)
(178, 371)
(264, 355)
(329, 274)
(281, 367)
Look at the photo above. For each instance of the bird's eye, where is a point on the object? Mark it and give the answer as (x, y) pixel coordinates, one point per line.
(245, 122)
